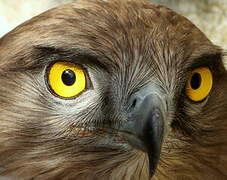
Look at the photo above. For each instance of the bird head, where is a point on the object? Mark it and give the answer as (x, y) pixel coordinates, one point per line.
(112, 90)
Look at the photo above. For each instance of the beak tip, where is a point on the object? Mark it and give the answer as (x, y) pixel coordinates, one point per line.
(153, 166)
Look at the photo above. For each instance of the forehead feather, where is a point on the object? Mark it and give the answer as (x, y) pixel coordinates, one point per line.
(118, 30)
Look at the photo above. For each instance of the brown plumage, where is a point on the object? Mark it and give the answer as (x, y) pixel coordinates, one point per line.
(124, 46)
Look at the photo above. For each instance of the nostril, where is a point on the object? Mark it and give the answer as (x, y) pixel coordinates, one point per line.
(134, 103)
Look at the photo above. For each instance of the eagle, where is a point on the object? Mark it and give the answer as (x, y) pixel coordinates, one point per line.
(112, 90)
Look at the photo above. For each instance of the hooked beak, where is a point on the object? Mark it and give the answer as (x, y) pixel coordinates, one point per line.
(145, 126)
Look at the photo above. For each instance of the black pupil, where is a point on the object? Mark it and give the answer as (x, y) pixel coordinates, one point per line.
(68, 77)
(196, 81)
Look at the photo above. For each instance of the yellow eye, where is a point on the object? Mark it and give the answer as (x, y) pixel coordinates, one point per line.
(66, 79)
(199, 84)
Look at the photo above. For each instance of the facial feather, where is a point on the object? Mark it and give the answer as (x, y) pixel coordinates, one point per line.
(124, 46)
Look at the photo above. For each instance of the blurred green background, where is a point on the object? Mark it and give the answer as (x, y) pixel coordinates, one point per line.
(209, 15)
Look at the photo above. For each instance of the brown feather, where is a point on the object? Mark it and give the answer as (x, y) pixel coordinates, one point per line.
(136, 42)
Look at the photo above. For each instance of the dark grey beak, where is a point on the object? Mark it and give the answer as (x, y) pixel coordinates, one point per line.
(145, 126)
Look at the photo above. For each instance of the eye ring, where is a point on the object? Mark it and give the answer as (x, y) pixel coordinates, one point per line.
(199, 84)
(66, 79)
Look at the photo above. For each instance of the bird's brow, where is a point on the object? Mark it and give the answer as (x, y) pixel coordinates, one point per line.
(205, 60)
(49, 54)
